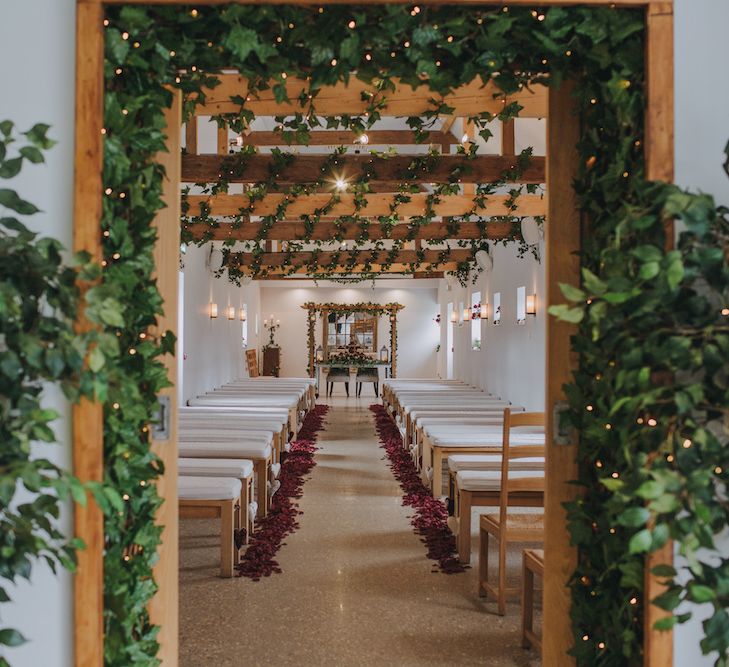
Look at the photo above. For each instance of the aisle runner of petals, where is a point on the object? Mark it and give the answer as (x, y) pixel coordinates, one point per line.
(281, 521)
(431, 514)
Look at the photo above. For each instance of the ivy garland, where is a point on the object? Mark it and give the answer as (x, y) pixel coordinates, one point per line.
(39, 302)
(653, 465)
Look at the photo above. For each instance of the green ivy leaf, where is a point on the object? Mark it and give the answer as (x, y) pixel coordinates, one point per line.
(634, 517)
(10, 637)
(640, 542)
(10, 199)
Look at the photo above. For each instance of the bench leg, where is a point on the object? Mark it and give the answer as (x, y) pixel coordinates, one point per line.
(464, 527)
(437, 472)
(261, 487)
(227, 546)
(346, 387)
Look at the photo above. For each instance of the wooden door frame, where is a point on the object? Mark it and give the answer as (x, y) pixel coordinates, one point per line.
(562, 161)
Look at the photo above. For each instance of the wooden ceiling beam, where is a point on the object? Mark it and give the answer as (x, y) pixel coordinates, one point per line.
(340, 138)
(418, 275)
(375, 205)
(340, 99)
(308, 169)
(303, 258)
(288, 230)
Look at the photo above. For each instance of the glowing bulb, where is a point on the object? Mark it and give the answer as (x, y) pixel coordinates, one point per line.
(351, 25)
(341, 184)
(334, 62)
(363, 139)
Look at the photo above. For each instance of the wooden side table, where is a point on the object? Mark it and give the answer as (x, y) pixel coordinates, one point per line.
(272, 361)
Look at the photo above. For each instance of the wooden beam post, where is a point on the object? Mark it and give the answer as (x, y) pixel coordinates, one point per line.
(191, 135)
(163, 608)
(562, 243)
(508, 137)
(659, 158)
(88, 417)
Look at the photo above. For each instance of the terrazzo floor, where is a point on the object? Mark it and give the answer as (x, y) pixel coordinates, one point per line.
(356, 588)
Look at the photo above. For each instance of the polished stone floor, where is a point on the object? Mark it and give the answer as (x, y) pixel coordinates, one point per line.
(356, 588)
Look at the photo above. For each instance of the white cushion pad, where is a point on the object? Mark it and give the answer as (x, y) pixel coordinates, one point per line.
(489, 480)
(224, 450)
(208, 488)
(238, 468)
(248, 437)
(458, 462)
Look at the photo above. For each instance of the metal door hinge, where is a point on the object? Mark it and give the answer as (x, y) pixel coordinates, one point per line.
(161, 425)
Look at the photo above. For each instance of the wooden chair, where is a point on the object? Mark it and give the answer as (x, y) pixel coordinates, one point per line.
(507, 526)
(252, 363)
(532, 564)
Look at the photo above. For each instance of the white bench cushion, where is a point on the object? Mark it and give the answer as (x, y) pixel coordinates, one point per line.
(458, 462)
(224, 450)
(208, 488)
(238, 468)
(197, 435)
(489, 480)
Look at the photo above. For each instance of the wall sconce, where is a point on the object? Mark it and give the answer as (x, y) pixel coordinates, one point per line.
(531, 304)
(242, 314)
(213, 310)
(320, 354)
(231, 312)
(466, 314)
(454, 317)
(384, 354)
(484, 311)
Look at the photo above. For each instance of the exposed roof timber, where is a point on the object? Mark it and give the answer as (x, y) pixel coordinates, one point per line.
(340, 138)
(417, 275)
(336, 262)
(309, 168)
(375, 205)
(468, 100)
(287, 230)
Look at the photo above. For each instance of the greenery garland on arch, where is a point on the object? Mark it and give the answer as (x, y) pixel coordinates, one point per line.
(379, 309)
(650, 311)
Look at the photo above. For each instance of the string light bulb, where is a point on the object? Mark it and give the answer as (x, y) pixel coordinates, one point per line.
(340, 184)
(352, 25)
(363, 139)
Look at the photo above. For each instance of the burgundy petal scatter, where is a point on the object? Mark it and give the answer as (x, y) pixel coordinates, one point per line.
(431, 515)
(282, 519)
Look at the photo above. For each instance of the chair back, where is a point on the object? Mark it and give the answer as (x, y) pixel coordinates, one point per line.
(519, 482)
(252, 363)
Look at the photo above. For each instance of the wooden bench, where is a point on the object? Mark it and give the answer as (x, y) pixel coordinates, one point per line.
(214, 498)
(532, 564)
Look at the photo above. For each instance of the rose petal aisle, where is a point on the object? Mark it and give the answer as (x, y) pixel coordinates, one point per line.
(281, 521)
(431, 515)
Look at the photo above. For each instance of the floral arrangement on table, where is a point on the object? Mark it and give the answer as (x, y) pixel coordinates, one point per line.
(351, 358)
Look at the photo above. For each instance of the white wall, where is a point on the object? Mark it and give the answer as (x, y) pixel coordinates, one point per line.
(510, 362)
(213, 348)
(37, 84)
(702, 131)
(417, 332)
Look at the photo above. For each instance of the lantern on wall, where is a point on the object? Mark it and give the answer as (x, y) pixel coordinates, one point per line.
(531, 304)
(320, 354)
(213, 310)
(231, 312)
(242, 314)
(384, 354)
